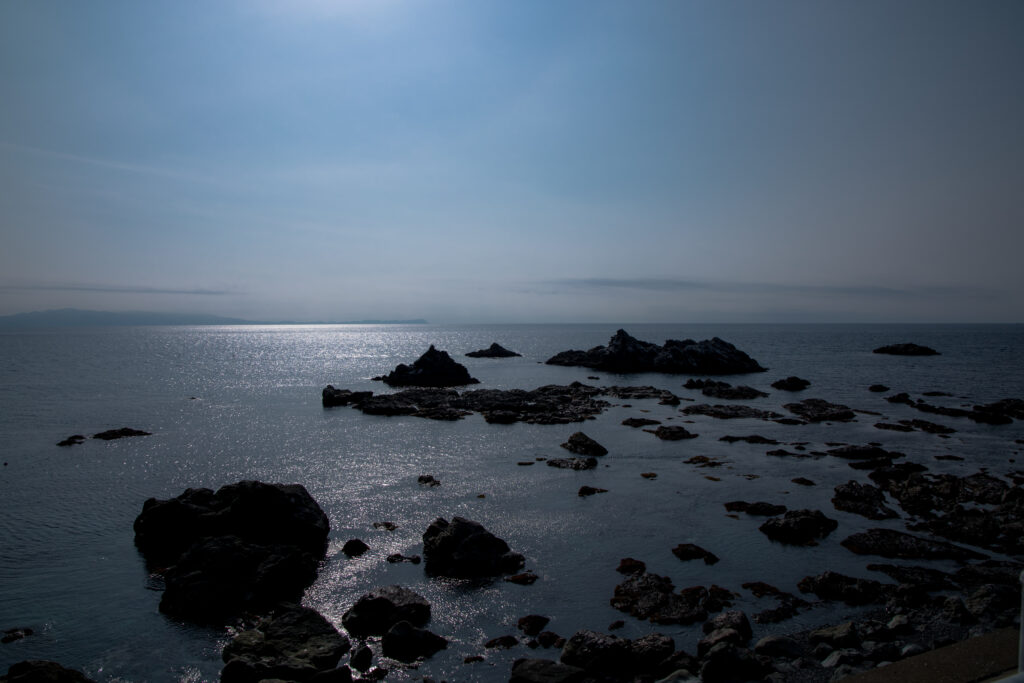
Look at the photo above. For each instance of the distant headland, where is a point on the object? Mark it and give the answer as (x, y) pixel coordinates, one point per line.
(74, 317)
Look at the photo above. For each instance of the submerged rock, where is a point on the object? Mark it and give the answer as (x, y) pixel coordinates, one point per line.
(495, 350)
(627, 354)
(433, 369)
(465, 549)
(907, 349)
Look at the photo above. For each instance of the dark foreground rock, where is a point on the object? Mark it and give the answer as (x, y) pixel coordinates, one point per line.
(495, 350)
(627, 354)
(465, 549)
(433, 369)
(407, 643)
(41, 671)
(896, 544)
(245, 547)
(380, 609)
(294, 644)
(799, 527)
(907, 349)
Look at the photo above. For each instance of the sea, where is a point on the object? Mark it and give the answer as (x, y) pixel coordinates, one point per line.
(225, 404)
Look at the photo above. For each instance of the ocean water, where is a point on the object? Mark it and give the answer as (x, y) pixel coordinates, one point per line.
(232, 403)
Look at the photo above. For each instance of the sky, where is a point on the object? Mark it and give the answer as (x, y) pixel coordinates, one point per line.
(487, 161)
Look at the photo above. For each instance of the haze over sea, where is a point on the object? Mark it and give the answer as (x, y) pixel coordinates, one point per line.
(226, 403)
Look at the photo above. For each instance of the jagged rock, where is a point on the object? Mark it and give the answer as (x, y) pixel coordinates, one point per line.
(248, 545)
(730, 412)
(427, 480)
(121, 433)
(342, 397)
(896, 544)
(545, 671)
(626, 354)
(573, 463)
(819, 410)
(922, 577)
(782, 647)
(406, 643)
(651, 650)
(433, 369)
(581, 444)
(907, 349)
(495, 350)
(862, 499)
(465, 549)
(672, 433)
(799, 527)
(791, 383)
(380, 609)
(294, 643)
(733, 619)
(639, 422)
(598, 652)
(689, 551)
(853, 591)
(650, 596)
(41, 671)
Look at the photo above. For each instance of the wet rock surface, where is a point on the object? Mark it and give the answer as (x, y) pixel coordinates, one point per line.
(465, 549)
(245, 547)
(624, 353)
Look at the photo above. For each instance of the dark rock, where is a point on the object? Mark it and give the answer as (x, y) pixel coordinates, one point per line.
(878, 388)
(752, 439)
(354, 547)
(495, 350)
(121, 433)
(651, 650)
(760, 509)
(863, 453)
(524, 579)
(733, 619)
(779, 646)
(385, 526)
(906, 350)
(853, 591)
(427, 480)
(663, 396)
(896, 544)
(638, 422)
(589, 491)
(406, 643)
(626, 354)
(532, 624)
(598, 652)
(791, 384)
(362, 658)
(840, 635)
(730, 412)
(689, 551)
(922, 577)
(464, 549)
(672, 433)
(40, 671)
(433, 369)
(650, 596)
(929, 427)
(395, 558)
(551, 404)
(549, 639)
(862, 499)
(728, 662)
(573, 463)
(722, 635)
(294, 643)
(628, 565)
(990, 571)
(799, 527)
(893, 427)
(994, 602)
(545, 671)
(343, 397)
(581, 444)
(725, 391)
(803, 481)
(501, 642)
(380, 609)
(12, 634)
(73, 440)
(819, 410)
(247, 545)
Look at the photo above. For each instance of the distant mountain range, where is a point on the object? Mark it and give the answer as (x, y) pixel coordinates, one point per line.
(74, 317)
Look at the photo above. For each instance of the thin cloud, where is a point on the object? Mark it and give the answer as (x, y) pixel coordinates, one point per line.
(117, 289)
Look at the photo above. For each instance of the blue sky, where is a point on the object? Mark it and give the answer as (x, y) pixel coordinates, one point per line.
(485, 161)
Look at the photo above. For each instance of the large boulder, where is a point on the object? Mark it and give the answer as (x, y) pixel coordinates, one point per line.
(377, 611)
(465, 549)
(407, 643)
(245, 547)
(598, 653)
(294, 644)
(433, 369)
(627, 354)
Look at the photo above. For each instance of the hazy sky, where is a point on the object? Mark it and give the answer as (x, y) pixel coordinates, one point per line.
(521, 160)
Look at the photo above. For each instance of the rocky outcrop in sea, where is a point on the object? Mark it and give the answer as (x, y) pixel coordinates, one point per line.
(433, 369)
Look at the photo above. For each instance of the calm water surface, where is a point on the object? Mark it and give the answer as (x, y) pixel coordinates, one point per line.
(231, 403)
